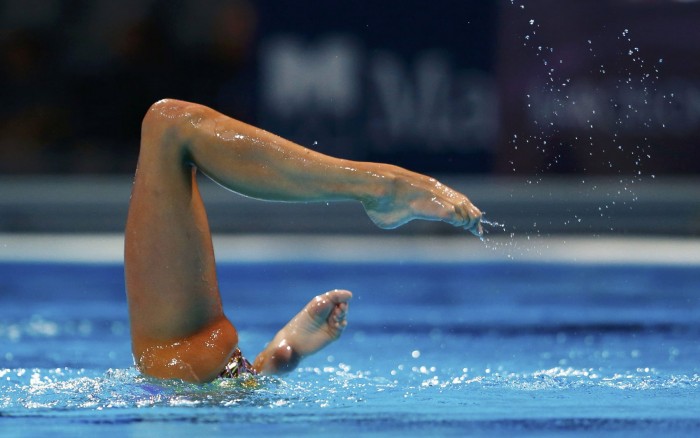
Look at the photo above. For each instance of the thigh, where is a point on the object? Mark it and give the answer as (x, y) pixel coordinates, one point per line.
(172, 290)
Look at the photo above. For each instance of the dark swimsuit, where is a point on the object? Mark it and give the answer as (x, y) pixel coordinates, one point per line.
(237, 366)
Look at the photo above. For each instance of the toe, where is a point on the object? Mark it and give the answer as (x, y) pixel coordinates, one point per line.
(339, 295)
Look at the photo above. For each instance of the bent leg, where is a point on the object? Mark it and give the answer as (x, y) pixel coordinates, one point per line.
(177, 324)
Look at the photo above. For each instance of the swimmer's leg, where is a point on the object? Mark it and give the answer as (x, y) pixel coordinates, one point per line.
(319, 323)
(261, 165)
(178, 328)
(177, 324)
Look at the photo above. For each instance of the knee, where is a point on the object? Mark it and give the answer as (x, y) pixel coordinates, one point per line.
(165, 124)
(166, 113)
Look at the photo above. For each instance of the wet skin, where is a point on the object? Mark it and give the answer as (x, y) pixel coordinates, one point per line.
(178, 326)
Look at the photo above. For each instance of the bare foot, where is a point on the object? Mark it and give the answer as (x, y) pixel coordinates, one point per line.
(319, 323)
(415, 196)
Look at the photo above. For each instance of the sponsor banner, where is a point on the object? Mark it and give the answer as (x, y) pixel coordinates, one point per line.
(411, 82)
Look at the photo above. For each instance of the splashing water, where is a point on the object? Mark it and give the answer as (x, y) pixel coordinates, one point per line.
(46, 392)
(492, 224)
(510, 244)
(609, 116)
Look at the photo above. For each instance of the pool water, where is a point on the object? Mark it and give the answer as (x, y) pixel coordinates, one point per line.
(487, 349)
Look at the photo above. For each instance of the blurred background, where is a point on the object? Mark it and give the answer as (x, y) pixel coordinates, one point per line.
(571, 117)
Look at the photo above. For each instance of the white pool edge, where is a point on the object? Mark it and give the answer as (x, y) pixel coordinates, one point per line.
(108, 248)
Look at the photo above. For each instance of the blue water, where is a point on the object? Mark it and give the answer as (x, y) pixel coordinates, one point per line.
(437, 349)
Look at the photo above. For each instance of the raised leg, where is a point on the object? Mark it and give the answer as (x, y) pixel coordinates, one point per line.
(177, 324)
